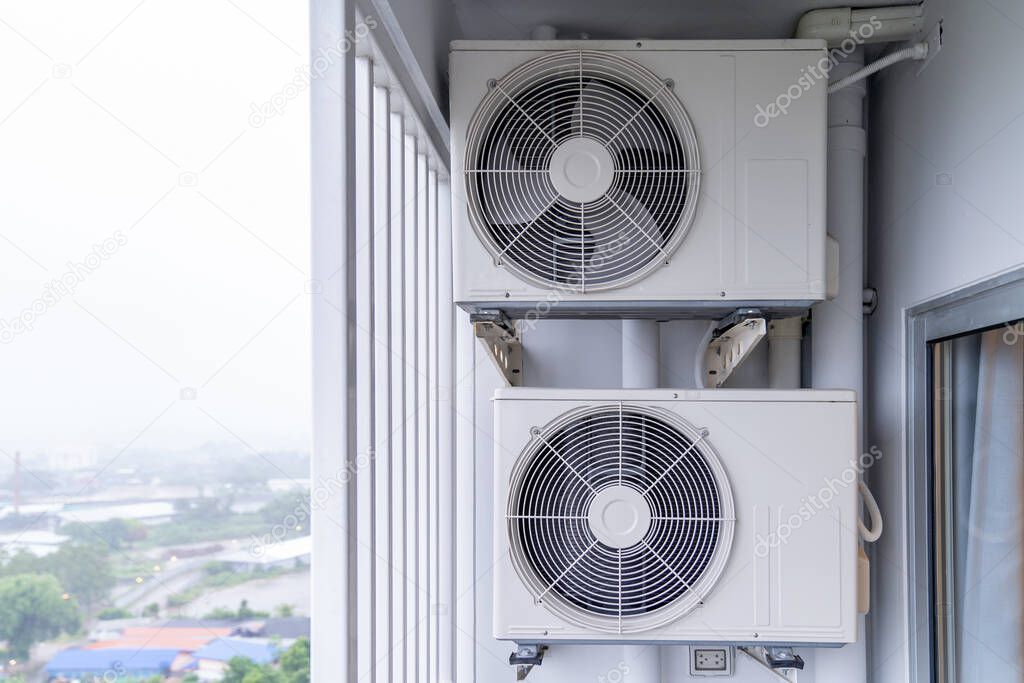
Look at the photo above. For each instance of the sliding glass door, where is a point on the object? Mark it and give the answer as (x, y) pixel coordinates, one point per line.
(977, 505)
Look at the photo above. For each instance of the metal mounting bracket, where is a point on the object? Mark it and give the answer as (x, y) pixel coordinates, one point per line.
(732, 341)
(525, 657)
(500, 337)
(781, 661)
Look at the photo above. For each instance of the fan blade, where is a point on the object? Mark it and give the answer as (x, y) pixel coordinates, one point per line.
(499, 154)
(628, 230)
(510, 197)
(587, 113)
(651, 178)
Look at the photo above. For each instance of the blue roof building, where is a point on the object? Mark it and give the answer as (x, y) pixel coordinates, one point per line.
(223, 649)
(110, 665)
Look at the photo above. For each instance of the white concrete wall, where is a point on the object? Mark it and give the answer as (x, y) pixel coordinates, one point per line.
(962, 116)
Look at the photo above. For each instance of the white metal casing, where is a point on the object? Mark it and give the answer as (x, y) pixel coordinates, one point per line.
(791, 458)
(758, 235)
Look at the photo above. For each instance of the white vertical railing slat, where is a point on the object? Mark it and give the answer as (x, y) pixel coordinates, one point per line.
(332, 129)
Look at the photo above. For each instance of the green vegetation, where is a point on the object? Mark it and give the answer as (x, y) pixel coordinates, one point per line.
(151, 610)
(290, 510)
(113, 613)
(32, 609)
(207, 520)
(82, 569)
(184, 597)
(189, 530)
(293, 668)
(244, 612)
(220, 575)
(115, 533)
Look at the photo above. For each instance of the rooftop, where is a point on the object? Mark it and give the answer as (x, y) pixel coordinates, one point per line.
(173, 638)
(224, 649)
(130, 660)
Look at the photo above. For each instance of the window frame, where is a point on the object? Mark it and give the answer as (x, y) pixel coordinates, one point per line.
(977, 307)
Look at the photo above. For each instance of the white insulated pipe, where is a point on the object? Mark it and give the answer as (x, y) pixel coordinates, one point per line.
(641, 351)
(784, 337)
(868, 24)
(837, 342)
(837, 326)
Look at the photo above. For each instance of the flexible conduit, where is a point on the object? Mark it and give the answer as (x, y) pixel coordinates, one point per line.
(916, 51)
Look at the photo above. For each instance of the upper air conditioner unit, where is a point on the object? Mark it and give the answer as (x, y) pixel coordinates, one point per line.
(638, 177)
(676, 516)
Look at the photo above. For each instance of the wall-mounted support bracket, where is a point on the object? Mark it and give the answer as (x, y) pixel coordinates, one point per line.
(781, 661)
(525, 657)
(500, 337)
(732, 341)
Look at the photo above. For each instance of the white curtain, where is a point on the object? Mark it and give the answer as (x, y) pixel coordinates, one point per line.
(990, 590)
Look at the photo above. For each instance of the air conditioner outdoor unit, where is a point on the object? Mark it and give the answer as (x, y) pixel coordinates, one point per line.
(676, 516)
(649, 178)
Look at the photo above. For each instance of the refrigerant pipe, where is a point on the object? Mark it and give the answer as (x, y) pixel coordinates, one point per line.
(641, 350)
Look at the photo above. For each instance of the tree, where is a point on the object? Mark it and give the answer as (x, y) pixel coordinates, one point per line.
(244, 612)
(284, 610)
(151, 610)
(238, 668)
(294, 668)
(83, 570)
(113, 613)
(290, 510)
(264, 674)
(295, 662)
(116, 533)
(33, 609)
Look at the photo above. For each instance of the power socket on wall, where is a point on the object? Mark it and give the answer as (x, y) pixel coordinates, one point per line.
(712, 661)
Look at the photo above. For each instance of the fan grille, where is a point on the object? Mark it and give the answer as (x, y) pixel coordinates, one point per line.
(643, 582)
(638, 171)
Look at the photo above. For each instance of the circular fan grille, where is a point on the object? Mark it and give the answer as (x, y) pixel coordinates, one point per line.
(620, 518)
(582, 171)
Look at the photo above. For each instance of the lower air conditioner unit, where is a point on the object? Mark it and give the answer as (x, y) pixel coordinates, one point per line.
(676, 516)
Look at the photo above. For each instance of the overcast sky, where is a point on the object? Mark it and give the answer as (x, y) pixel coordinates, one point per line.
(175, 223)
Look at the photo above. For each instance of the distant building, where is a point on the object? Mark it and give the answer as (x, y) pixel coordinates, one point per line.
(156, 512)
(286, 485)
(274, 555)
(212, 660)
(110, 664)
(186, 639)
(283, 628)
(37, 542)
(31, 509)
(64, 460)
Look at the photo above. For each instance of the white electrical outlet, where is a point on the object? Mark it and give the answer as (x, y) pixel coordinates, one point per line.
(712, 661)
